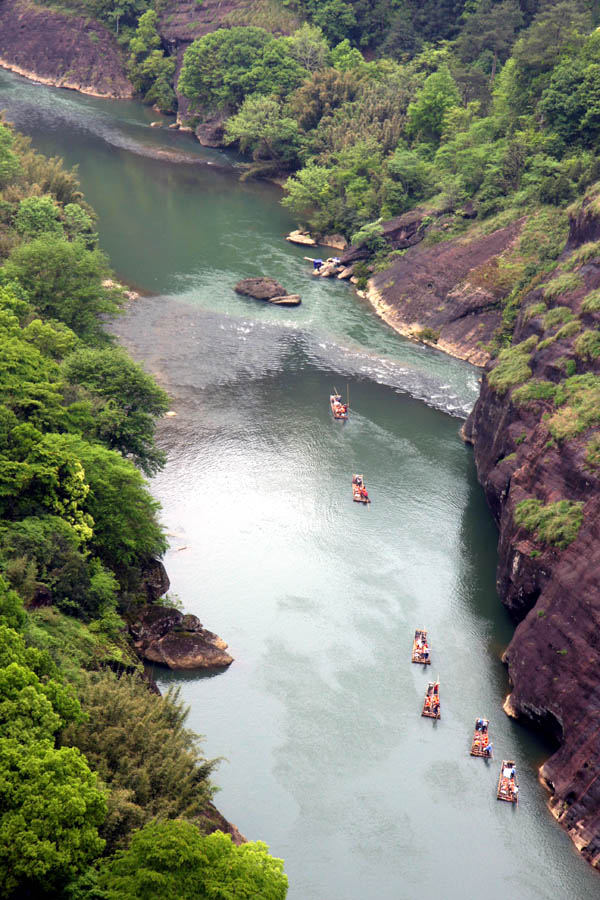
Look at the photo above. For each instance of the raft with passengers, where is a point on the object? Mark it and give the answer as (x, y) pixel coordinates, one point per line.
(508, 787)
(431, 704)
(338, 407)
(420, 651)
(481, 744)
(359, 491)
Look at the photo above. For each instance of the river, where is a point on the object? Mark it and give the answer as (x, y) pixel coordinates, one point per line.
(326, 756)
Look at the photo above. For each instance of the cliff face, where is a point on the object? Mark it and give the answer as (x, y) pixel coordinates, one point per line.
(64, 50)
(448, 294)
(533, 436)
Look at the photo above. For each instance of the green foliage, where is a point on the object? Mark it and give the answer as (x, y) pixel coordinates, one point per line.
(557, 316)
(63, 280)
(513, 366)
(536, 309)
(591, 303)
(562, 284)
(582, 255)
(150, 70)
(173, 860)
(51, 809)
(37, 215)
(261, 128)
(429, 335)
(580, 409)
(587, 345)
(566, 331)
(535, 389)
(222, 68)
(123, 513)
(427, 114)
(369, 236)
(77, 647)
(138, 743)
(10, 165)
(556, 523)
(592, 452)
(118, 402)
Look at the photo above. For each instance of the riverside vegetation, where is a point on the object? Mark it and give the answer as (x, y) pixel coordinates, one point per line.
(104, 791)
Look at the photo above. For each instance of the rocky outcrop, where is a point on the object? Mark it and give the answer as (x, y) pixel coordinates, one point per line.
(211, 131)
(266, 289)
(154, 580)
(61, 49)
(445, 295)
(166, 636)
(552, 590)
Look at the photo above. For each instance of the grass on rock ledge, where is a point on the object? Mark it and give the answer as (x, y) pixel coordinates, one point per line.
(556, 523)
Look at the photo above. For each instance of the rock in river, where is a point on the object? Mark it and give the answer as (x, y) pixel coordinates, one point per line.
(166, 636)
(266, 289)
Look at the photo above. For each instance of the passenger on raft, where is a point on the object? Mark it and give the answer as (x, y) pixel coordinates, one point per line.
(363, 493)
(317, 263)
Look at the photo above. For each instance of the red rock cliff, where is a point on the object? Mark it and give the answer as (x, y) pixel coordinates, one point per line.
(534, 430)
(61, 49)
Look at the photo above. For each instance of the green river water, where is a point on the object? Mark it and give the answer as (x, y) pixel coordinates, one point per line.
(326, 756)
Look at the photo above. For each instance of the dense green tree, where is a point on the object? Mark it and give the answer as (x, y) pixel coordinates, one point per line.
(124, 402)
(215, 65)
(151, 71)
(125, 529)
(427, 114)
(174, 861)
(10, 164)
(492, 27)
(308, 47)
(50, 811)
(64, 280)
(261, 128)
(139, 745)
(38, 215)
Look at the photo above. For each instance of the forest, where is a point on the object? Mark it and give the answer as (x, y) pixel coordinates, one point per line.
(105, 793)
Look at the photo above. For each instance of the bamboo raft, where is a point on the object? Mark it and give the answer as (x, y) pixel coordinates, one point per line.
(480, 745)
(338, 408)
(356, 490)
(431, 704)
(508, 787)
(420, 650)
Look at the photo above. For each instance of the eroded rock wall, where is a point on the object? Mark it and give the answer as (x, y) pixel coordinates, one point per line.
(444, 294)
(61, 49)
(553, 593)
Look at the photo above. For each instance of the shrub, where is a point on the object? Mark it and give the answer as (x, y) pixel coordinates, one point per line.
(513, 366)
(591, 302)
(582, 254)
(557, 316)
(536, 389)
(536, 309)
(592, 454)
(556, 523)
(561, 285)
(567, 331)
(428, 334)
(581, 407)
(587, 345)
(568, 365)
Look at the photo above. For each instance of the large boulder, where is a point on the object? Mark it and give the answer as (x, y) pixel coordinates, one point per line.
(266, 289)
(166, 636)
